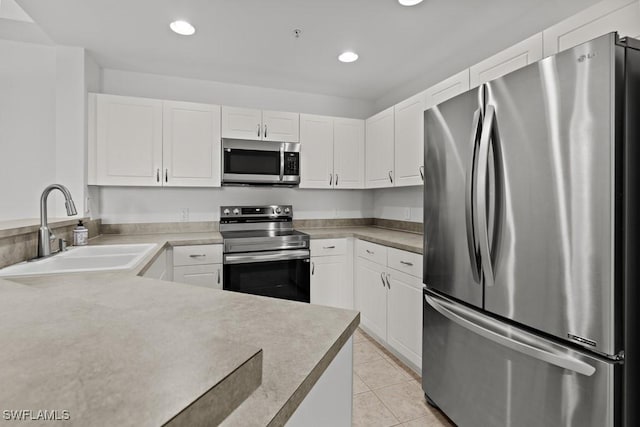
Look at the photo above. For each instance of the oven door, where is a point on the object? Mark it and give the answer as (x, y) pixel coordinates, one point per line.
(278, 274)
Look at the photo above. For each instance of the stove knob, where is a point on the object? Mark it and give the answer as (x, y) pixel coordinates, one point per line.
(278, 210)
(287, 211)
(226, 212)
(236, 211)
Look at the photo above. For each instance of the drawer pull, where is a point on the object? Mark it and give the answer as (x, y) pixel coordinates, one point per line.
(329, 247)
(410, 264)
(197, 255)
(370, 252)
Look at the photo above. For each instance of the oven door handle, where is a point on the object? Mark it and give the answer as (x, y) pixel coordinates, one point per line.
(254, 257)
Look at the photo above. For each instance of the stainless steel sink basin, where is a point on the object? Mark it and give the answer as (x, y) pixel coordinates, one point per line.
(83, 258)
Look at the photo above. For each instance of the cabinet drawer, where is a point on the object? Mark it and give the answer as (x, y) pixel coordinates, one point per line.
(327, 247)
(372, 252)
(207, 276)
(197, 254)
(407, 262)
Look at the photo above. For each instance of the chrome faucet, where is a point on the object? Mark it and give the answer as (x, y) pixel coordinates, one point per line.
(44, 234)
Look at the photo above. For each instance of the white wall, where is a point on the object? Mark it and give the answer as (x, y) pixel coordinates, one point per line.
(27, 126)
(402, 203)
(136, 204)
(119, 82)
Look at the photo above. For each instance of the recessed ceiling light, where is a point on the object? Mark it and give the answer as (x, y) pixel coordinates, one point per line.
(348, 56)
(409, 2)
(182, 27)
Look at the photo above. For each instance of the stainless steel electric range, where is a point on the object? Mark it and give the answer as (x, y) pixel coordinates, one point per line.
(263, 254)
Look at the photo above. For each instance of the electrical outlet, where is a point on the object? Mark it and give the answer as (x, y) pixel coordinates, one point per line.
(407, 213)
(184, 214)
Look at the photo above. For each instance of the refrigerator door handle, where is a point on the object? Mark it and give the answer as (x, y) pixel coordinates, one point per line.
(480, 220)
(494, 330)
(472, 241)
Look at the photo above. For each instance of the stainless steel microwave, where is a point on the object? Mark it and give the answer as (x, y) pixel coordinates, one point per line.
(246, 162)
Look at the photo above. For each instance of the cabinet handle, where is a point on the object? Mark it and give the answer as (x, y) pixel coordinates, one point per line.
(158, 175)
(197, 255)
(330, 179)
(336, 180)
(370, 252)
(265, 131)
(258, 130)
(329, 247)
(218, 276)
(382, 278)
(313, 268)
(387, 277)
(421, 170)
(166, 175)
(410, 264)
(390, 177)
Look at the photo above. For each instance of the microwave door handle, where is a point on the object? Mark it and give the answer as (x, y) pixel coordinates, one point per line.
(281, 163)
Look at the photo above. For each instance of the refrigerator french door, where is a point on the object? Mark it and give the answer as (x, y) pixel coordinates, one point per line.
(525, 242)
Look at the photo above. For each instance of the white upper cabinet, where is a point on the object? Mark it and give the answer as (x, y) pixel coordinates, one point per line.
(332, 152)
(348, 153)
(241, 123)
(316, 151)
(128, 141)
(409, 141)
(280, 126)
(379, 149)
(447, 89)
(191, 144)
(247, 123)
(622, 16)
(517, 56)
(149, 142)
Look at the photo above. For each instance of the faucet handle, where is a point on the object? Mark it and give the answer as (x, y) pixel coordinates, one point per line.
(52, 236)
(62, 245)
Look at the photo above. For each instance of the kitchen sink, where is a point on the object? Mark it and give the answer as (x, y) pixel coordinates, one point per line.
(83, 258)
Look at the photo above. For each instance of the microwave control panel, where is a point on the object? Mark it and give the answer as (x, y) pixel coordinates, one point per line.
(291, 163)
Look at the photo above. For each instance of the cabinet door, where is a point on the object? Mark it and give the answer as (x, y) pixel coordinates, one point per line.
(204, 275)
(447, 89)
(158, 269)
(348, 153)
(327, 277)
(316, 151)
(622, 16)
(280, 126)
(517, 56)
(128, 141)
(191, 144)
(404, 315)
(371, 296)
(241, 123)
(379, 150)
(409, 141)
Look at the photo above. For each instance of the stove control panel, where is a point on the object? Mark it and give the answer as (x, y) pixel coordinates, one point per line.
(257, 213)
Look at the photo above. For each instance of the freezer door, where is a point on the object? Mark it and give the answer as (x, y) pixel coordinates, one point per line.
(481, 372)
(451, 258)
(546, 220)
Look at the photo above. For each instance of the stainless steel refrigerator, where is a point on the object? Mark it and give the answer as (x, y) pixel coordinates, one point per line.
(531, 244)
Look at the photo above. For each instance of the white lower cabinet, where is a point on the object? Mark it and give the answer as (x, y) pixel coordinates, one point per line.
(199, 265)
(160, 267)
(332, 272)
(390, 300)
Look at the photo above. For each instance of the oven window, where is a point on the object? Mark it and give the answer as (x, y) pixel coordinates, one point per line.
(253, 162)
(280, 279)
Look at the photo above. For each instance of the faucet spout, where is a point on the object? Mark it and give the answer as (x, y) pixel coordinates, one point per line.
(44, 234)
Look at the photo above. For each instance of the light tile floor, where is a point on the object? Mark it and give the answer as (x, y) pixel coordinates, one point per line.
(385, 392)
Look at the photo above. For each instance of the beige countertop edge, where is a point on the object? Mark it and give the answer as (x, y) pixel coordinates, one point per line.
(298, 396)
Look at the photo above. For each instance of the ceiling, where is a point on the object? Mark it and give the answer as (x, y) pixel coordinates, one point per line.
(251, 41)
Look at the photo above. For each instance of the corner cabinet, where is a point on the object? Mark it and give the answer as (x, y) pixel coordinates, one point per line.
(380, 149)
(149, 142)
(258, 125)
(332, 152)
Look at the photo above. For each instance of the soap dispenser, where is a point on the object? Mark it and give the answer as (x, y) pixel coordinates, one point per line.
(80, 235)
